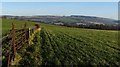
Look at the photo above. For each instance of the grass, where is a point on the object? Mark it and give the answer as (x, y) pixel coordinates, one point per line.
(58, 45)
(76, 46)
(7, 24)
(0, 27)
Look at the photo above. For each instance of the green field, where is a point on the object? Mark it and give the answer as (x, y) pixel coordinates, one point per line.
(80, 46)
(58, 45)
(7, 24)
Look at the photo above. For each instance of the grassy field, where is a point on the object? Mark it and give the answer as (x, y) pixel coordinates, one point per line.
(58, 45)
(80, 46)
(7, 24)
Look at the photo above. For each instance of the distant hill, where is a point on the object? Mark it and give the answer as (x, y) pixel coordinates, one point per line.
(69, 19)
(75, 19)
(94, 19)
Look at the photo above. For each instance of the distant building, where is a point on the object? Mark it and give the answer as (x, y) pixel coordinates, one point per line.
(35, 19)
(97, 23)
(80, 24)
(59, 23)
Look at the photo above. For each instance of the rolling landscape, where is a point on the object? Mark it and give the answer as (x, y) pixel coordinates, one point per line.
(60, 34)
(60, 45)
(79, 21)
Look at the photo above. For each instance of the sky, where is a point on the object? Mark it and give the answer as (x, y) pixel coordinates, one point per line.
(60, 0)
(99, 9)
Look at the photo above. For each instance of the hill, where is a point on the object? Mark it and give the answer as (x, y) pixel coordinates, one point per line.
(59, 45)
(67, 19)
(76, 19)
(7, 24)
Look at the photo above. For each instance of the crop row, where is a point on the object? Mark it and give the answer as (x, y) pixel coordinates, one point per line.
(67, 49)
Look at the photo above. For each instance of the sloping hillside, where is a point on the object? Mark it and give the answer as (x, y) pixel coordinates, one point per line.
(59, 45)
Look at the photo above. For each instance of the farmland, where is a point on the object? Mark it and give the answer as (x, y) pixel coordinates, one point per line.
(7, 24)
(80, 46)
(58, 45)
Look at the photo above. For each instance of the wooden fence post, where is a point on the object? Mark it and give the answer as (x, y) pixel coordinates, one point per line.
(12, 45)
(13, 39)
(29, 36)
(25, 32)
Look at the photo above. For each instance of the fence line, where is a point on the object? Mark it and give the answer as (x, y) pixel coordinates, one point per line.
(17, 38)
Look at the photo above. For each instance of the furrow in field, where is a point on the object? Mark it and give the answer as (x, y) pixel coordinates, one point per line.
(97, 52)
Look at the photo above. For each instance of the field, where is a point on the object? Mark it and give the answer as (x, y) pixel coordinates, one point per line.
(58, 45)
(7, 24)
(80, 46)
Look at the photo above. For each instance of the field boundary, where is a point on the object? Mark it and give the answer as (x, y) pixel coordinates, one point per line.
(17, 38)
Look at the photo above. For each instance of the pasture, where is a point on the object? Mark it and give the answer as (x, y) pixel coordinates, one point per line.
(59, 45)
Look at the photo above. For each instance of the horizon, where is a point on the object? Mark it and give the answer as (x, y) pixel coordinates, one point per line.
(60, 16)
(96, 9)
